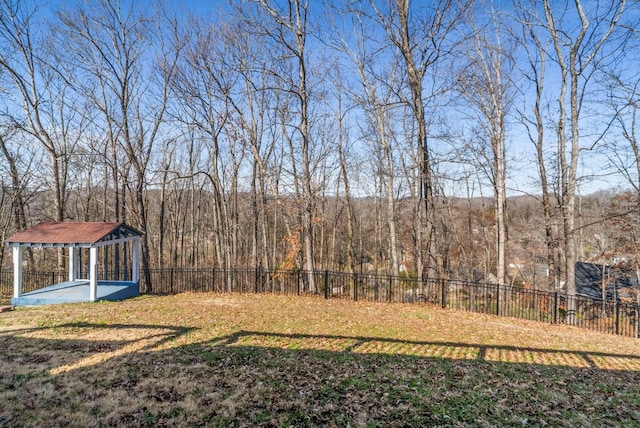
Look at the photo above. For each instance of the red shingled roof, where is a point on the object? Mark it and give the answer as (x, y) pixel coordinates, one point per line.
(66, 233)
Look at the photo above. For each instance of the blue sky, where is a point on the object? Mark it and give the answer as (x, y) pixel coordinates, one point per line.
(522, 169)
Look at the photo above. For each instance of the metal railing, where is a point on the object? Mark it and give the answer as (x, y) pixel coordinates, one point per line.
(551, 307)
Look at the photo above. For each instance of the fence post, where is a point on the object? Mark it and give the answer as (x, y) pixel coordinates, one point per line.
(298, 275)
(443, 293)
(555, 307)
(232, 279)
(255, 280)
(617, 317)
(326, 284)
(355, 287)
(498, 299)
(390, 287)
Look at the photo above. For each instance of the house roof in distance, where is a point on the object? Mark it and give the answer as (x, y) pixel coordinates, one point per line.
(69, 234)
(589, 281)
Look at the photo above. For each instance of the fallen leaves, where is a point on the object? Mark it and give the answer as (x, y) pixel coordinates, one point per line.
(247, 360)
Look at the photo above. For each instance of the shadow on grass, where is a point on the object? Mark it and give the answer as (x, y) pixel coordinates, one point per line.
(73, 345)
(136, 375)
(467, 351)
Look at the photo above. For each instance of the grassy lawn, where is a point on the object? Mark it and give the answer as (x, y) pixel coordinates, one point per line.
(260, 360)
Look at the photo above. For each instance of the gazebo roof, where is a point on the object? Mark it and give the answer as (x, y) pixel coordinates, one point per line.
(71, 234)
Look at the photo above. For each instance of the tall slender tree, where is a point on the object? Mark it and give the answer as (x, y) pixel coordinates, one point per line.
(39, 104)
(576, 51)
(485, 83)
(288, 26)
(423, 36)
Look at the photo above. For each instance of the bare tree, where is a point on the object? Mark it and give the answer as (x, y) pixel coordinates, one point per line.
(288, 27)
(423, 38)
(17, 192)
(202, 87)
(42, 105)
(576, 52)
(375, 96)
(624, 100)
(342, 145)
(254, 111)
(18, 199)
(533, 71)
(109, 43)
(623, 87)
(485, 83)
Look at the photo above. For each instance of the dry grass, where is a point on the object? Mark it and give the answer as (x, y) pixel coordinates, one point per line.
(248, 360)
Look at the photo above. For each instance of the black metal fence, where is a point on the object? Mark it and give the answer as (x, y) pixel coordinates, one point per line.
(30, 281)
(550, 307)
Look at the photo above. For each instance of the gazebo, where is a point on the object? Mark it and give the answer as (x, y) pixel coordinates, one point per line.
(76, 236)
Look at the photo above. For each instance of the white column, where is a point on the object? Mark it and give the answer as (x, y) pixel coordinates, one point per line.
(72, 264)
(135, 269)
(93, 273)
(17, 271)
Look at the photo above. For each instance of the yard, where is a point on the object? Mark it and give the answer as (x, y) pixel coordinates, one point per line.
(197, 359)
